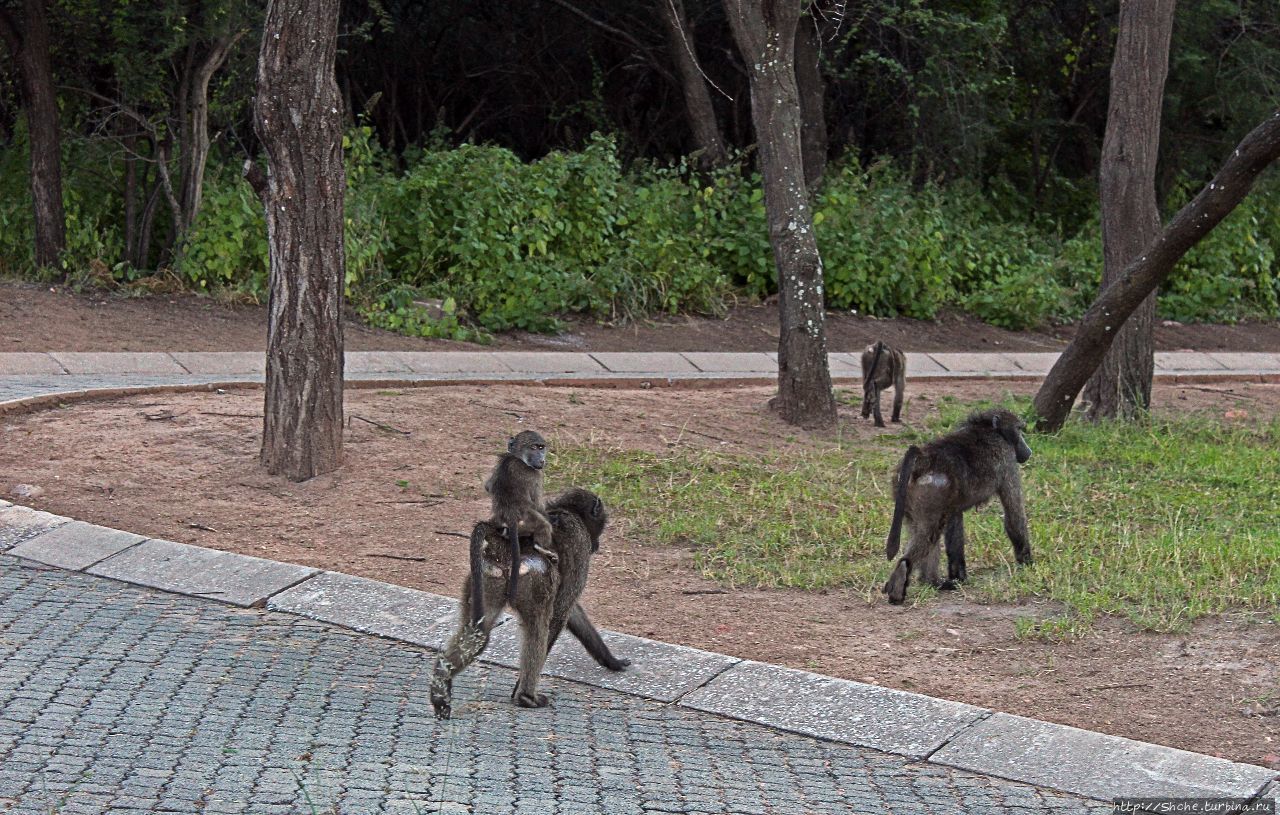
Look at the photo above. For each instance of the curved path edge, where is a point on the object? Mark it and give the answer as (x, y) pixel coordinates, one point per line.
(1057, 757)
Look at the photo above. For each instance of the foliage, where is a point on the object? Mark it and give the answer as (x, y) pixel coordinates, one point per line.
(514, 244)
(1164, 521)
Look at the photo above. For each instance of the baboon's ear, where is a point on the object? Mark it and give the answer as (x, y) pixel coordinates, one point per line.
(511, 444)
(597, 508)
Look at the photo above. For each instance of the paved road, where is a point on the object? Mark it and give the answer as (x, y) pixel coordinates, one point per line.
(119, 699)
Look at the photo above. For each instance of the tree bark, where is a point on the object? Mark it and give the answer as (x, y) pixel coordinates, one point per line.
(693, 84)
(765, 31)
(298, 120)
(1117, 301)
(1121, 387)
(813, 93)
(29, 46)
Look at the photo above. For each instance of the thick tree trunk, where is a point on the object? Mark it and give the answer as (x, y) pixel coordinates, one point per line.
(697, 98)
(30, 49)
(298, 118)
(1121, 387)
(765, 32)
(1117, 301)
(813, 93)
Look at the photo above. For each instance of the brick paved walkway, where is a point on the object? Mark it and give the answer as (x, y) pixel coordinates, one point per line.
(120, 699)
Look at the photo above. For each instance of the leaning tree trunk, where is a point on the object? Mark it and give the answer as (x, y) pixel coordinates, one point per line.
(1117, 301)
(813, 93)
(693, 85)
(30, 50)
(297, 117)
(765, 32)
(1121, 387)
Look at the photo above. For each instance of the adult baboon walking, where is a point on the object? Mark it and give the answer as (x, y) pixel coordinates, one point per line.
(546, 601)
(938, 482)
(883, 366)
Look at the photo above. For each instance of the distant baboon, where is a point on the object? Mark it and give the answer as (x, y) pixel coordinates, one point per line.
(547, 601)
(938, 482)
(883, 366)
(515, 490)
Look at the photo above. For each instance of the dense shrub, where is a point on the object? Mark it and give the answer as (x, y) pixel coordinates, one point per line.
(465, 241)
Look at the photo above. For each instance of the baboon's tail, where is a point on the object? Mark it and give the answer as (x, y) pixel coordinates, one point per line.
(513, 541)
(900, 501)
(478, 534)
(870, 372)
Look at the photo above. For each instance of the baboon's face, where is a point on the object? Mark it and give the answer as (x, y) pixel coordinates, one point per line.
(1022, 451)
(530, 448)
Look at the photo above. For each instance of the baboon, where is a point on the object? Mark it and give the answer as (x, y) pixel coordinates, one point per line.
(938, 482)
(515, 490)
(883, 366)
(547, 601)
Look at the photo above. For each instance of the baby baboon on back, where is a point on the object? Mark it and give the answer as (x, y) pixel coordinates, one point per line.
(937, 482)
(515, 490)
(883, 366)
(547, 601)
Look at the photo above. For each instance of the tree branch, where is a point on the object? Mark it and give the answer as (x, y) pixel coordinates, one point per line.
(1101, 323)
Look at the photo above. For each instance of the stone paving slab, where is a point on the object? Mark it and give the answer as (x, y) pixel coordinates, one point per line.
(922, 365)
(740, 362)
(550, 362)
(658, 670)
(1246, 361)
(431, 362)
(25, 364)
(1095, 764)
(845, 364)
(75, 545)
(371, 606)
(645, 363)
(364, 362)
(1186, 361)
(1033, 362)
(178, 567)
(19, 523)
(135, 362)
(976, 363)
(222, 362)
(850, 712)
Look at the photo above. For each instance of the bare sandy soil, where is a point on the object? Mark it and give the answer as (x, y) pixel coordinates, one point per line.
(193, 477)
(41, 318)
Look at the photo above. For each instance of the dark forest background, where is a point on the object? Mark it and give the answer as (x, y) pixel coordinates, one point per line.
(511, 162)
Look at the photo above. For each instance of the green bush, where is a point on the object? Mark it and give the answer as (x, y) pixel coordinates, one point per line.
(496, 243)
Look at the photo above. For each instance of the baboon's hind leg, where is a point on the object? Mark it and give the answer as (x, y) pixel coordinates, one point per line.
(899, 389)
(875, 406)
(535, 623)
(467, 643)
(954, 534)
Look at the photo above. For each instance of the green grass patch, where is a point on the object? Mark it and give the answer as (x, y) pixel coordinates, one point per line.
(1164, 521)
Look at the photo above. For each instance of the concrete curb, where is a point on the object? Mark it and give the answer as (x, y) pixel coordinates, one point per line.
(933, 730)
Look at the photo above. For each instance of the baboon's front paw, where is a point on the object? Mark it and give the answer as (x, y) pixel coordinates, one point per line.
(443, 710)
(896, 420)
(1025, 560)
(532, 700)
(618, 664)
(948, 585)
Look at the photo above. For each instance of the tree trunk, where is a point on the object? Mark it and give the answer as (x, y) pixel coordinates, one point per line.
(1121, 387)
(1118, 300)
(693, 84)
(298, 120)
(30, 49)
(813, 93)
(765, 32)
(195, 126)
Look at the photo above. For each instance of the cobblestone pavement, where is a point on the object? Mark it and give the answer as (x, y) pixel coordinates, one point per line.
(122, 700)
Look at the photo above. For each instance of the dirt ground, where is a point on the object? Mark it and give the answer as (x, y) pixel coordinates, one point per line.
(41, 318)
(193, 477)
